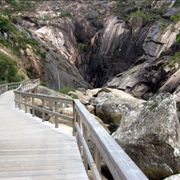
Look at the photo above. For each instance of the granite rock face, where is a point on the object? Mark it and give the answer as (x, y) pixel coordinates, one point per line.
(111, 103)
(159, 40)
(151, 136)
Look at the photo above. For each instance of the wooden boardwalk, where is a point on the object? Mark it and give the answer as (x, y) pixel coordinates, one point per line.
(31, 150)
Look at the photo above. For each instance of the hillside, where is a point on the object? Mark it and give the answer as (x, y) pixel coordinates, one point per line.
(96, 40)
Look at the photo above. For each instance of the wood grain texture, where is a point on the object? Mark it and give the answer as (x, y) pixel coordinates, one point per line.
(31, 150)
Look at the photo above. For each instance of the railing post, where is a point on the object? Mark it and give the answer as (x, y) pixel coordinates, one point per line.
(25, 99)
(56, 119)
(20, 101)
(74, 118)
(15, 98)
(6, 87)
(85, 138)
(77, 133)
(43, 113)
(97, 159)
(33, 110)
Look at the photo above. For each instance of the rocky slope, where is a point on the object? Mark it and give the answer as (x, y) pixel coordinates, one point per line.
(107, 42)
(36, 54)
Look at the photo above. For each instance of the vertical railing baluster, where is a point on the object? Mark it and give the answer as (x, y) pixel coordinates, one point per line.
(25, 101)
(55, 110)
(74, 118)
(77, 133)
(15, 99)
(20, 101)
(43, 113)
(33, 110)
(84, 129)
(97, 159)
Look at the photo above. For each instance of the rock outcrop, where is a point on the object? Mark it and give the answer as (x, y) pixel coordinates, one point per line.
(113, 51)
(90, 40)
(111, 103)
(136, 38)
(151, 136)
(159, 39)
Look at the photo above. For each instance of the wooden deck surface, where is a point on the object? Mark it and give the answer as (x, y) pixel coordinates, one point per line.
(29, 150)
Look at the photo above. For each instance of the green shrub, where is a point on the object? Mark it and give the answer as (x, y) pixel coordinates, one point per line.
(31, 73)
(8, 69)
(5, 24)
(173, 60)
(83, 47)
(14, 3)
(164, 24)
(146, 16)
(42, 83)
(41, 53)
(20, 5)
(177, 3)
(176, 17)
(30, 41)
(17, 39)
(4, 42)
(45, 18)
(66, 89)
(178, 38)
(65, 14)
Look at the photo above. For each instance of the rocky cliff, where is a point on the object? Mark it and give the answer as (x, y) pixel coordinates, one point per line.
(105, 42)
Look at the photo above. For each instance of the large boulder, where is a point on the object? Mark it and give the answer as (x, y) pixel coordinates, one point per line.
(150, 135)
(110, 104)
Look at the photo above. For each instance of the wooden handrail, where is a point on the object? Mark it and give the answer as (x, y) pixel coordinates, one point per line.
(118, 162)
(9, 86)
(107, 151)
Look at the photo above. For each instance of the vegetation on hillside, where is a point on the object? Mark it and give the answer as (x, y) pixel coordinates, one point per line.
(8, 69)
(18, 40)
(173, 60)
(12, 37)
(66, 89)
(20, 5)
(129, 8)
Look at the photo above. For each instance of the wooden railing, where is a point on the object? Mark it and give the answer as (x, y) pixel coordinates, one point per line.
(28, 85)
(49, 105)
(9, 86)
(85, 127)
(106, 148)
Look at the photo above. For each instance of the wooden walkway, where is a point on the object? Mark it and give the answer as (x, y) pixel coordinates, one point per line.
(30, 150)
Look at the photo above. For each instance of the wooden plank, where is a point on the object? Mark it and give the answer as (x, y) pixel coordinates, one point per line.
(48, 177)
(44, 175)
(29, 149)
